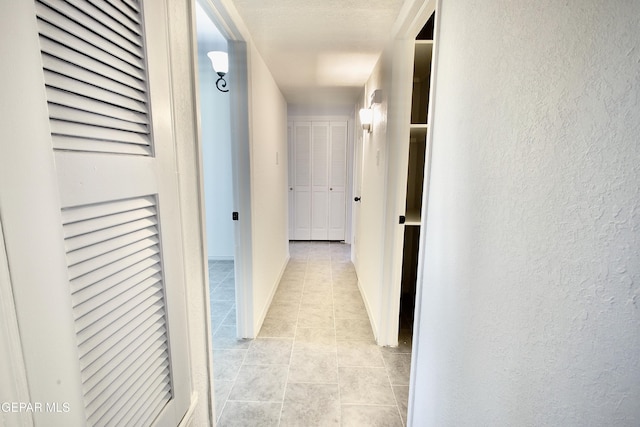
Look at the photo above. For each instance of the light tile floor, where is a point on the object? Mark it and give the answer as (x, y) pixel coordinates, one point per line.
(315, 361)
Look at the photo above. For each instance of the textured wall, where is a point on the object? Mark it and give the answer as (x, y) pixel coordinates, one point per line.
(531, 292)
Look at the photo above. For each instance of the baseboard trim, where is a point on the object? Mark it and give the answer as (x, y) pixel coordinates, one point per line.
(274, 288)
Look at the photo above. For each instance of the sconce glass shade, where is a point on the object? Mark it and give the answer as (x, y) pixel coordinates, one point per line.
(366, 118)
(219, 61)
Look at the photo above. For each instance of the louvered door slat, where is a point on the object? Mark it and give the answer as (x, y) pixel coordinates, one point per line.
(117, 289)
(59, 112)
(95, 74)
(144, 292)
(59, 66)
(78, 242)
(54, 39)
(109, 220)
(98, 276)
(129, 20)
(158, 389)
(121, 386)
(147, 411)
(133, 79)
(104, 367)
(95, 384)
(84, 289)
(130, 3)
(117, 23)
(124, 348)
(64, 32)
(81, 255)
(96, 263)
(94, 347)
(122, 374)
(65, 16)
(86, 90)
(109, 289)
(60, 97)
(89, 212)
(132, 384)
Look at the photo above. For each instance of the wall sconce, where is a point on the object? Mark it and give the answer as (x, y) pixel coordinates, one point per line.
(366, 118)
(366, 114)
(220, 63)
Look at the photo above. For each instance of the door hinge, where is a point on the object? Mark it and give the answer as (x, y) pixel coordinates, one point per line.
(402, 219)
(234, 216)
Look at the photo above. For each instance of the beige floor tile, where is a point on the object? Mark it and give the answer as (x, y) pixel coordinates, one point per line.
(359, 353)
(311, 405)
(365, 386)
(370, 416)
(319, 340)
(260, 383)
(269, 351)
(398, 367)
(402, 399)
(312, 367)
(254, 414)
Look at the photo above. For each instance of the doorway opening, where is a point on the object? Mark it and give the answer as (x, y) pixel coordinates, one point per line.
(218, 180)
(415, 177)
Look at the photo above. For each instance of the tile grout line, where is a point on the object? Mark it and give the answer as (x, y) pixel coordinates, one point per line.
(395, 398)
(293, 344)
(335, 332)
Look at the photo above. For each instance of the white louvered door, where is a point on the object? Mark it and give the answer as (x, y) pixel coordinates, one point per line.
(319, 170)
(337, 181)
(319, 180)
(106, 89)
(302, 180)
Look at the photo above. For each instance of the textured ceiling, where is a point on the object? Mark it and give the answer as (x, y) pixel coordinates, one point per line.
(320, 51)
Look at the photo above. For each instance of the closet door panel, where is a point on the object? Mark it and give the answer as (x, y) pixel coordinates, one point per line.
(318, 177)
(319, 180)
(302, 180)
(337, 180)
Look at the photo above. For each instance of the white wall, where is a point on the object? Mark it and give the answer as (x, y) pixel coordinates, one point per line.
(530, 299)
(216, 144)
(378, 236)
(269, 184)
(371, 219)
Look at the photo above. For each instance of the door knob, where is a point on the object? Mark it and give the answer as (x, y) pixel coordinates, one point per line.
(356, 199)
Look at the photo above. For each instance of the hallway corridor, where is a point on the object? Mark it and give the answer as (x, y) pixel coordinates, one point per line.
(315, 361)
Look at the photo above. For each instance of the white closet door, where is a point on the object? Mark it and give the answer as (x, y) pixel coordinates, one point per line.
(320, 180)
(118, 289)
(337, 180)
(302, 180)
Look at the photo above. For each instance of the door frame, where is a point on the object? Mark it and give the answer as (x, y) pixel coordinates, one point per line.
(411, 20)
(240, 159)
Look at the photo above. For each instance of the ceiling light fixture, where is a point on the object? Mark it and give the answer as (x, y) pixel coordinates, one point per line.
(220, 64)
